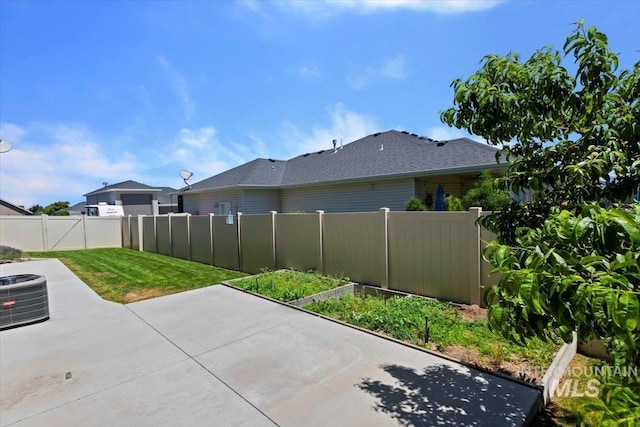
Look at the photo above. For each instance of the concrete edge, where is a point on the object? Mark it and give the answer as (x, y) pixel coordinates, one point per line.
(555, 371)
(389, 338)
(322, 296)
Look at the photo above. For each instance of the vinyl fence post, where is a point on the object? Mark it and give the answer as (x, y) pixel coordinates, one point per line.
(170, 216)
(384, 261)
(45, 232)
(211, 237)
(239, 241)
(84, 231)
(320, 214)
(140, 234)
(273, 238)
(474, 278)
(189, 235)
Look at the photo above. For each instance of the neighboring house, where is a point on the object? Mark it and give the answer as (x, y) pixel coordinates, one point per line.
(8, 208)
(381, 170)
(135, 198)
(77, 209)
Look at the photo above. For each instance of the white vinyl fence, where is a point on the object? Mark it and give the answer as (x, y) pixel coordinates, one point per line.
(435, 254)
(56, 233)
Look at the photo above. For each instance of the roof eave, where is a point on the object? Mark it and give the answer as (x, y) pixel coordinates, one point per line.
(475, 168)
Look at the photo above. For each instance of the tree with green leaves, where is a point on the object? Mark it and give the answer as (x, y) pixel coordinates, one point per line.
(569, 138)
(57, 208)
(36, 209)
(487, 194)
(573, 142)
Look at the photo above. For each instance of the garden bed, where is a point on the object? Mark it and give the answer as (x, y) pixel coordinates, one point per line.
(288, 285)
(455, 330)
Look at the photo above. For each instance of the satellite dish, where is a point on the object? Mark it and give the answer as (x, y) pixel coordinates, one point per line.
(185, 176)
(5, 146)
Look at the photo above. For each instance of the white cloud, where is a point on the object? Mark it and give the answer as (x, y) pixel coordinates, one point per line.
(58, 162)
(444, 133)
(321, 9)
(201, 152)
(393, 69)
(308, 72)
(346, 125)
(180, 86)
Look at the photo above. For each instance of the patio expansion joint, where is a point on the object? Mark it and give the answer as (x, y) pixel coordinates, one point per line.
(202, 366)
(276, 325)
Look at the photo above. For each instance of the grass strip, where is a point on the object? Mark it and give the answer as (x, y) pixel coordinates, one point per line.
(124, 275)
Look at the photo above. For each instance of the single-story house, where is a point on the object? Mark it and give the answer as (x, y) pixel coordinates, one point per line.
(381, 170)
(136, 198)
(77, 209)
(8, 208)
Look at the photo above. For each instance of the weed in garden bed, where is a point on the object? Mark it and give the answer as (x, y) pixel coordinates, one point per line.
(403, 318)
(289, 285)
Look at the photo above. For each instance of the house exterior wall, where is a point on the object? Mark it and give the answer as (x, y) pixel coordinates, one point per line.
(137, 204)
(6, 210)
(360, 197)
(260, 201)
(212, 202)
(109, 198)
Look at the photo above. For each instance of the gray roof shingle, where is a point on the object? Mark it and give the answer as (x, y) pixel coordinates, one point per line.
(125, 185)
(384, 154)
(258, 172)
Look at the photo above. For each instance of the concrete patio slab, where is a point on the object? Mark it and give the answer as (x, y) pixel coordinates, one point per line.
(217, 356)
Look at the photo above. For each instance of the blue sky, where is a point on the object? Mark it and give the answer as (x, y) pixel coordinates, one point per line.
(116, 90)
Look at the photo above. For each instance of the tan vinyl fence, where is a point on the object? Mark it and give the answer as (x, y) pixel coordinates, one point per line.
(48, 233)
(435, 254)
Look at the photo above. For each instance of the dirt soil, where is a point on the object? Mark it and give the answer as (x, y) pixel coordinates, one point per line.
(473, 357)
(142, 294)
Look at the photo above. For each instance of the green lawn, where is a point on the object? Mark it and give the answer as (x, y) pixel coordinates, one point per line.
(124, 275)
(469, 340)
(289, 285)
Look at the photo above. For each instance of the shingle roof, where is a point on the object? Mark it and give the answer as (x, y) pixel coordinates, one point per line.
(164, 197)
(15, 207)
(258, 172)
(384, 154)
(124, 185)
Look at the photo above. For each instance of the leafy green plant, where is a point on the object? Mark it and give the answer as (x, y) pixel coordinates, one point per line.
(414, 204)
(289, 285)
(57, 208)
(487, 194)
(564, 135)
(579, 271)
(404, 318)
(453, 203)
(573, 142)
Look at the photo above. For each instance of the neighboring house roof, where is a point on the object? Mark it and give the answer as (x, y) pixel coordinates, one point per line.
(15, 208)
(382, 155)
(78, 207)
(124, 186)
(164, 197)
(258, 172)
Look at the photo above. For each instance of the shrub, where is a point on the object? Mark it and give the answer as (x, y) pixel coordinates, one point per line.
(414, 204)
(7, 252)
(487, 194)
(453, 203)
